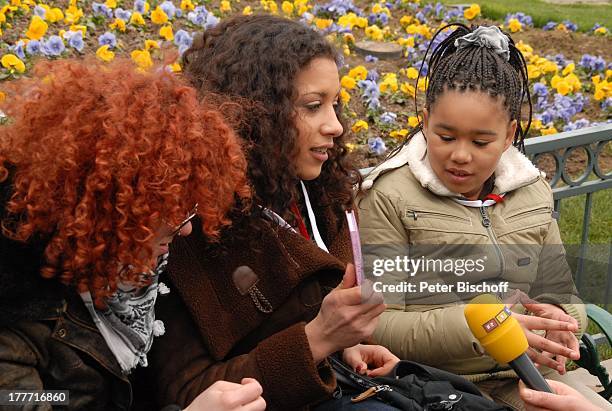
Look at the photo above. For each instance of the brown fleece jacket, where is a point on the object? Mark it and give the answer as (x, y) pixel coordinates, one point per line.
(217, 330)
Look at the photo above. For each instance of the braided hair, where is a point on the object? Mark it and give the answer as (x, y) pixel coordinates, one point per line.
(476, 68)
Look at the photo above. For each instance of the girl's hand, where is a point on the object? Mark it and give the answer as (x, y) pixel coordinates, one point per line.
(565, 399)
(564, 338)
(370, 360)
(549, 347)
(348, 315)
(229, 396)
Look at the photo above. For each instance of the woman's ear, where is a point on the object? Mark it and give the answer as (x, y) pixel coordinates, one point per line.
(510, 134)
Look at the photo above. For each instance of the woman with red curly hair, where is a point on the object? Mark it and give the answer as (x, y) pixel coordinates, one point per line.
(99, 167)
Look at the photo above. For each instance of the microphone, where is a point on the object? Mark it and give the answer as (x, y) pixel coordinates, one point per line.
(502, 337)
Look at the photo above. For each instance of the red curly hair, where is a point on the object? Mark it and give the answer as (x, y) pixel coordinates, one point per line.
(98, 155)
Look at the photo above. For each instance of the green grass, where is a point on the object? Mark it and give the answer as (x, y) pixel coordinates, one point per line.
(584, 15)
(572, 214)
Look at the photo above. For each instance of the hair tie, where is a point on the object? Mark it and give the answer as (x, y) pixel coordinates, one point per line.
(490, 37)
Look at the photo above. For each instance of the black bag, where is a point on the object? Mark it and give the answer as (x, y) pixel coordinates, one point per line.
(415, 387)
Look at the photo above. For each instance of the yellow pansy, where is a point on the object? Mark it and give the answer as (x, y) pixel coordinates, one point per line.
(350, 146)
(596, 79)
(533, 71)
(524, 48)
(79, 27)
(104, 54)
(345, 97)
(137, 19)
(167, 33)
(601, 30)
(472, 12)
(407, 89)
(358, 73)
(374, 32)
(399, 134)
(287, 8)
(405, 20)
(574, 82)
(406, 41)
(111, 4)
(514, 25)
(273, 7)
(548, 131)
(118, 24)
(2, 18)
(348, 82)
(536, 124)
(348, 38)
(225, 6)
(423, 83)
(73, 14)
(322, 24)
(175, 67)
(54, 15)
(568, 69)
(413, 121)
(12, 63)
(389, 83)
(187, 5)
(412, 73)
(348, 20)
(142, 58)
(359, 126)
(37, 28)
(247, 11)
(346, 50)
(158, 16)
(151, 44)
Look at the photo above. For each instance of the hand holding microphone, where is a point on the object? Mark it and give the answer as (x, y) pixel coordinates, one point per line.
(495, 326)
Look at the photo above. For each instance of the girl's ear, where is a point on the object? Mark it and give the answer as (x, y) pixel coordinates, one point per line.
(510, 134)
(425, 120)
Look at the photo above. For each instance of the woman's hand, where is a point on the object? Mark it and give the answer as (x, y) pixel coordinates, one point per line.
(370, 360)
(565, 399)
(229, 396)
(348, 315)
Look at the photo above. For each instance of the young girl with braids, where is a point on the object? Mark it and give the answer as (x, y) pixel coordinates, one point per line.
(460, 186)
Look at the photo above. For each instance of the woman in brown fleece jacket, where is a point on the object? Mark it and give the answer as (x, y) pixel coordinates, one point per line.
(273, 298)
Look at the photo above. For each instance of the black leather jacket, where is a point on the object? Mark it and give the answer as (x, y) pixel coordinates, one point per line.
(47, 337)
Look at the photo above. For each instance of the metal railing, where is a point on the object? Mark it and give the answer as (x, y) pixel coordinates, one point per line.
(560, 147)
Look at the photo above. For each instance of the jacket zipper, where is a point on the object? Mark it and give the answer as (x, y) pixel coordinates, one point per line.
(486, 222)
(430, 214)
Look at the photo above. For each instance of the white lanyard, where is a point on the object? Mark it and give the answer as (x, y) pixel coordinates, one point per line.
(313, 221)
(311, 218)
(476, 203)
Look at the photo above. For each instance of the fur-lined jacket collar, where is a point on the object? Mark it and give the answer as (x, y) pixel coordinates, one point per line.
(513, 171)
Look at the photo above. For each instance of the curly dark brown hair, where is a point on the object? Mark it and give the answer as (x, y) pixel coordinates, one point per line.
(258, 58)
(99, 155)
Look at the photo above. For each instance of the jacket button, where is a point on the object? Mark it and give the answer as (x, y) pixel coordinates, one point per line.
(61, 332)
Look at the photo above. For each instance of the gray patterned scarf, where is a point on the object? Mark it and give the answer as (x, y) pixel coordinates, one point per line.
(128, 325)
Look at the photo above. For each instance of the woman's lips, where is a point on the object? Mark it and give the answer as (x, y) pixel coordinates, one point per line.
(320, 153)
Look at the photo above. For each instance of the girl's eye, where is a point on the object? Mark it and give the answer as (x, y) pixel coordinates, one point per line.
(446, 138)
(481, 143)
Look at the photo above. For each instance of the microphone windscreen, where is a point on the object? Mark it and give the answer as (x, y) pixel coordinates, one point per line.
(493, 325)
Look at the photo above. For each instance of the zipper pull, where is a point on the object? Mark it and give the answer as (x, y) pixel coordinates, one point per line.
(486, 221)
(370, 392)
(414, 215)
